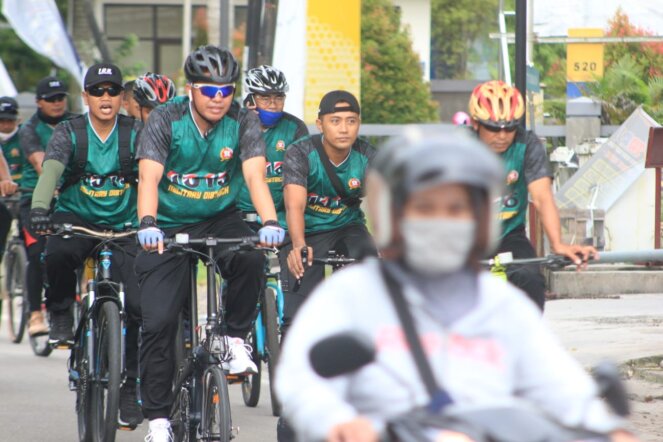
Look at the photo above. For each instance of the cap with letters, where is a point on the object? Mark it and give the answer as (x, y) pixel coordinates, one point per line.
(329, 103)
(49, 87)
(103, 73)
(8, 108)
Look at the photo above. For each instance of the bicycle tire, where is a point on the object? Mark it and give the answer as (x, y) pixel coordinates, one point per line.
(251, 383)
(272, 344)
(183, 429)
(15, 267)
(105, 387)
(84, 405)
(217, 423)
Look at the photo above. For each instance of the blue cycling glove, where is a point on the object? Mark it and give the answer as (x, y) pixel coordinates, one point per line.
(271, 233)
(149, 235)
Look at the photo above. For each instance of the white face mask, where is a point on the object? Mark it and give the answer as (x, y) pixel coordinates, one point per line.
(5, 137)
(435, 246)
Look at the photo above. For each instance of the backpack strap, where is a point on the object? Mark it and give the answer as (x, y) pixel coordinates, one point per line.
(79, 128)
(350, 201)
(439, 398)
(125, 126)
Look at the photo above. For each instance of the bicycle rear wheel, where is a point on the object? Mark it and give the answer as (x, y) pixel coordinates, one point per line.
(251, 383)
(216, 424)
(105, 387)
(272, 345)
(184, 428)
(15, 267)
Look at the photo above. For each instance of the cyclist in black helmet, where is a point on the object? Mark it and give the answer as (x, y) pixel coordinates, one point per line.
(192, 155)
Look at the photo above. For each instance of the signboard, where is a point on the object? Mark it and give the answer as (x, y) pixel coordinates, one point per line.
(612, 169)
(584, 61)
(332, 53)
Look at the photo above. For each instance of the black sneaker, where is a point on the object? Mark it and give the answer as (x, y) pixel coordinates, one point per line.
(131, 415)
(62, 328)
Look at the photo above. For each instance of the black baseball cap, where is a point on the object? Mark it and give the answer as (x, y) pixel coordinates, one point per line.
(102, 73)
(49, 87)
(8, 108)
(329, 103)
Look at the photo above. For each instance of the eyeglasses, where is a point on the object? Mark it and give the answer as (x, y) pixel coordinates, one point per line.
(210, 90)
(55, 98)
(495, 129)
(265, 100)
(98, 91)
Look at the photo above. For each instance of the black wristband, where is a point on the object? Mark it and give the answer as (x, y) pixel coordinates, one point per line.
(271, 222)
(148, 221)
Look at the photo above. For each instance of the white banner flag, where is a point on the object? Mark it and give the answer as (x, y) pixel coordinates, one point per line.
(7, 88)
(39, 24)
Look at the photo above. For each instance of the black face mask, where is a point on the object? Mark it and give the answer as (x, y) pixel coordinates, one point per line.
(50, 120)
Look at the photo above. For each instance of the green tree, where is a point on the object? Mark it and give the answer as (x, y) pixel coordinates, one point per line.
(392, 87)
(455, 28)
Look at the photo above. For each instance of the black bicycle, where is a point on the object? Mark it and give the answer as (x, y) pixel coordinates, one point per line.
(97, 360)
(201, 410)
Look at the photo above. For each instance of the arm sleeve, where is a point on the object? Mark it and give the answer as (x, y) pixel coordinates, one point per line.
(48, 180)
(313, 405)
(28, 138)
(59, 146)
(295, 165)
(536, 159)
(548, 376)
(251, 143)
(154, 140)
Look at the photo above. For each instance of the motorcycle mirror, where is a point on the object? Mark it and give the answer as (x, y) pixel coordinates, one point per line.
(341, 353)
(611, 387)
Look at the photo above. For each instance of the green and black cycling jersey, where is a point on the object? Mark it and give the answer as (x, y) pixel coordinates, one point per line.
(12, 153)
(277, 138)
(525, 161)
(324, 208)
(34, 136)
(202, 172)
(102, 196)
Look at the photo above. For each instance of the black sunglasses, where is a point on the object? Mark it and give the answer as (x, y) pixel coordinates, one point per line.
(495, 129)
(55, 98)
(98, 91)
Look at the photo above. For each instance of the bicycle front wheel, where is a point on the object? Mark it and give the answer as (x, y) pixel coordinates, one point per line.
(15, 267)
(105, 386)
(217, 424)
(270, 319)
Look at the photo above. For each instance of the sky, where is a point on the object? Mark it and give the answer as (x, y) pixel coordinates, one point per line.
(554, 17)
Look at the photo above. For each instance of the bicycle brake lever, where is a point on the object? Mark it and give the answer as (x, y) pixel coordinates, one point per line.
(298, 283)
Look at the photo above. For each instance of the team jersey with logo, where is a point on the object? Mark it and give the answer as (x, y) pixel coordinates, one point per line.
(34, 136)
(12, 152)
(525, 161)
(102, 197)
(324, 209)
(277, 138)
(202, 173)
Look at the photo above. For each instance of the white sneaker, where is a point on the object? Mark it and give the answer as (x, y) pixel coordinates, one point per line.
(240, 358)
(160, 431)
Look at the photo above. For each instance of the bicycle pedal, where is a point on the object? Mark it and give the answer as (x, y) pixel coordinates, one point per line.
(62, 345)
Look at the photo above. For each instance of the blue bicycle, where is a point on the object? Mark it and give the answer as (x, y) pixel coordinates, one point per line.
(264, 338)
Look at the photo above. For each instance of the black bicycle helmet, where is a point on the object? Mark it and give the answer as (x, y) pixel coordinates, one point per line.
(211, 64)
(265, 80)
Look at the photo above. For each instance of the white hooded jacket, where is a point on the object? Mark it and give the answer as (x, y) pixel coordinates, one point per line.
(499, 351)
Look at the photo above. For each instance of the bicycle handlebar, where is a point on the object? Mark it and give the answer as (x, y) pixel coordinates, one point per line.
(183, 239)
(333, 259)
(70, 229)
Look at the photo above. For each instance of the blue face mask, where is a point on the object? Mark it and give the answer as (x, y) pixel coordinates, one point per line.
(269, 119)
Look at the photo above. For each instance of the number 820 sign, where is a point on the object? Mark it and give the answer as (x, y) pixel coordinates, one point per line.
(584, 61)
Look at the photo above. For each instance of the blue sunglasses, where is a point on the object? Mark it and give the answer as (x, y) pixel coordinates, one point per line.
(210, 91)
